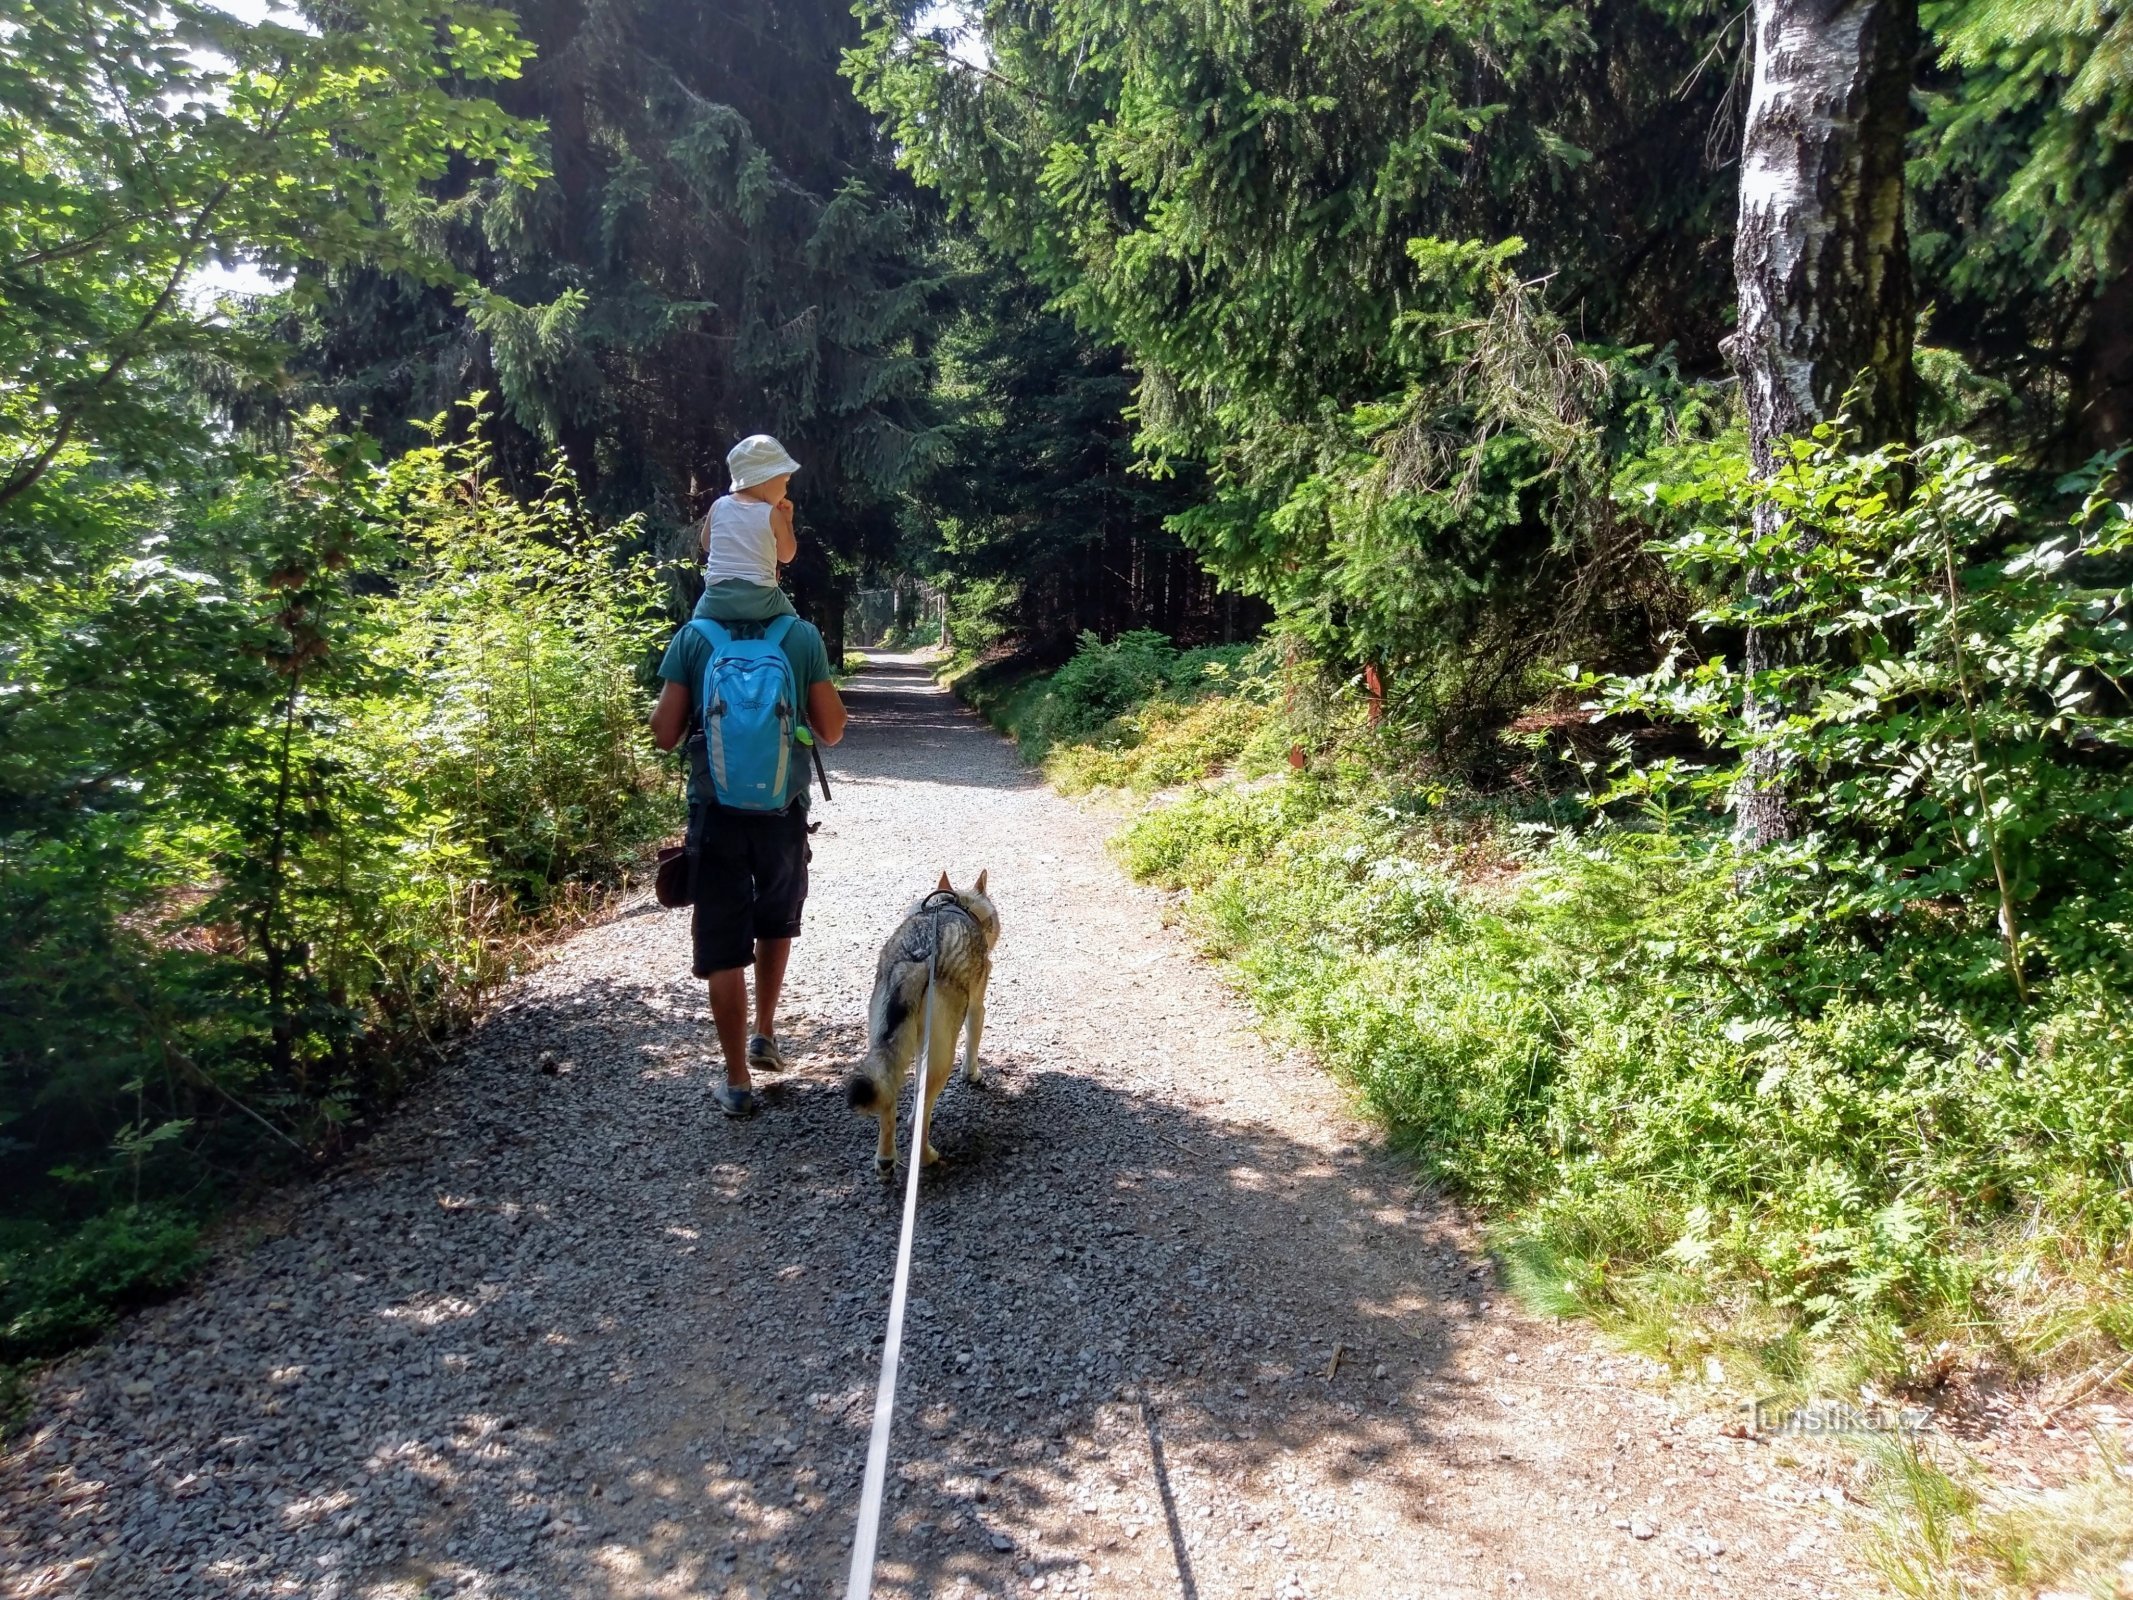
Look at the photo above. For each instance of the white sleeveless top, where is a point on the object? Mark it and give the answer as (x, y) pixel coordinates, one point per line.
(741, 544)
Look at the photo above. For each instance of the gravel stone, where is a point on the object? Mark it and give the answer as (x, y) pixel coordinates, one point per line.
(1178, 1322)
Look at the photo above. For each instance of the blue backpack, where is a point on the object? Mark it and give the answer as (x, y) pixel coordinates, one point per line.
(749, 703)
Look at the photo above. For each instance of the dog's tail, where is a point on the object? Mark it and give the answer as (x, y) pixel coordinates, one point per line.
(861, 1091)
(874, 1081)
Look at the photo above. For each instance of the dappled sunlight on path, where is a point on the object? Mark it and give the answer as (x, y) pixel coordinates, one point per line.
(1179, 1326)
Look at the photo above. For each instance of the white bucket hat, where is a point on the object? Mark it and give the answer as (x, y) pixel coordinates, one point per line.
(757, 459)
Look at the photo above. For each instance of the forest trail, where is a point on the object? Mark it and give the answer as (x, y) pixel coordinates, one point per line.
(1180, 1325)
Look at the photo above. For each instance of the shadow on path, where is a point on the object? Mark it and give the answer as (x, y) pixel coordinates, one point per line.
(596, 1342)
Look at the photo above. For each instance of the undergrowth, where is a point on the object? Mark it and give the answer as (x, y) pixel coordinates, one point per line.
(1944, 1530)
(280, 800)
(1137, 713)
(1697, 1113)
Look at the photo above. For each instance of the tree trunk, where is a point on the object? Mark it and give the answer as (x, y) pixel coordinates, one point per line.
(2103, 381)
(1823, 268)
(829, 620)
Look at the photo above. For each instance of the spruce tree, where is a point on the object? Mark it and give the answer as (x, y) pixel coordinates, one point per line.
(2022, 194)
(1037, 511)
(723, 248)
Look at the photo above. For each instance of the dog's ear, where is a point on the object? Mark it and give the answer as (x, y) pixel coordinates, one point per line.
(946, 886)
(982, 876)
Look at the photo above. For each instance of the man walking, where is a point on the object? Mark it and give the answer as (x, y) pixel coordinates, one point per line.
(748, 868)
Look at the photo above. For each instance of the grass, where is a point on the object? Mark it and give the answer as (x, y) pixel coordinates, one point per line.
(1137, 713)
(1942, 1531)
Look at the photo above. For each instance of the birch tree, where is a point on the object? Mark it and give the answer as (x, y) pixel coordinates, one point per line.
(1823, 266)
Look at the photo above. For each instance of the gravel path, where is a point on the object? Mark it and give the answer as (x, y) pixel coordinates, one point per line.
(1179, 1326)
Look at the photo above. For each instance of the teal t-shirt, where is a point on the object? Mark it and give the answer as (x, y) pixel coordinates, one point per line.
(684, 663)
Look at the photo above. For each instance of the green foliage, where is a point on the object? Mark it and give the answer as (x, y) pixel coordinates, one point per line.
(1301, 224)
(1948, 1530)
(722, 249)
(2024, 237)
(237, 893)
(1414, 284)
(1958, 731)
(1231, 192)
(143, 141)
(2066, 70)
(1103, 684)
(1104, 681)
(293, 757)
(521, 639)
(1165, 742)
(1034, 522)
(981, 613)
(58, 1290)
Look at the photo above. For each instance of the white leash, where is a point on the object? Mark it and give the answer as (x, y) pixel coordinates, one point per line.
(860, 1585)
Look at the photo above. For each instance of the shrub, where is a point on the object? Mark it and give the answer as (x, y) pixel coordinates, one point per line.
(60, 1287)
(1102, 693)
(1104, 681)
(279, 798)
(1602, 1048)
(1945, 696)
(1161, 744)
(981, 611)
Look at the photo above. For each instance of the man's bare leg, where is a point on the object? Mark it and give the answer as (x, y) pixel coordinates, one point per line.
(729, 1005)
(729, 1013)
(770, 958)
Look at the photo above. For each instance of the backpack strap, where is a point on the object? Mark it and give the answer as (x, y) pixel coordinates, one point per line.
(774, 635)
(718, 638)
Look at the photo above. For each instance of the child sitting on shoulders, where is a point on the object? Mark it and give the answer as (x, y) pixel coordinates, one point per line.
(747, 534)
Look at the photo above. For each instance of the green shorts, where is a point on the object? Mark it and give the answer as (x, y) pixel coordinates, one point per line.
(733, 600)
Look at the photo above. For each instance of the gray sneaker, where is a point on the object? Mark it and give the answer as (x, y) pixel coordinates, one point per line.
(734, 1102)
(764, 1054)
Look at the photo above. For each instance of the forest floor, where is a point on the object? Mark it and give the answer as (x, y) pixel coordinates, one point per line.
(1180, 1325)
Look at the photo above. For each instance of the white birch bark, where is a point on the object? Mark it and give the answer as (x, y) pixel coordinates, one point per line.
(1823, 265)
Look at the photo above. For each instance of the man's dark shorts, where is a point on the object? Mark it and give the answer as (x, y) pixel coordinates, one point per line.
(751, 881)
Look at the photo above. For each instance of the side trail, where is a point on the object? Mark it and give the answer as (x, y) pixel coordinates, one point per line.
(1179, 1325)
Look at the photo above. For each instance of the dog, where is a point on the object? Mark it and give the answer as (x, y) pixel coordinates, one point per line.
(929, 982)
